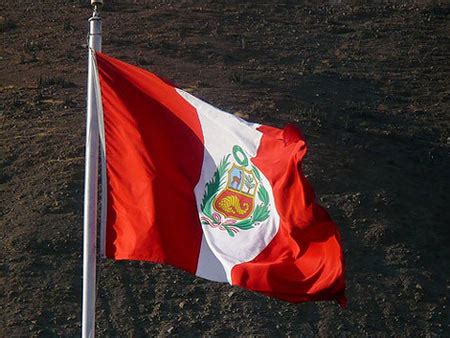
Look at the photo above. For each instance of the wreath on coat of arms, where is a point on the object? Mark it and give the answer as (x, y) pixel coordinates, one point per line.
(230, 199)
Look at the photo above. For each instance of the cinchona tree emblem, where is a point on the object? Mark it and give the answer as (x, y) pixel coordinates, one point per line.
(235, 198)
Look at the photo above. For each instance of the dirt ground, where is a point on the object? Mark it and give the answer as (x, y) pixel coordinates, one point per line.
(367, 82)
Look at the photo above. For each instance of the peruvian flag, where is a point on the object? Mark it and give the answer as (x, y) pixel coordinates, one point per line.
(200, 189)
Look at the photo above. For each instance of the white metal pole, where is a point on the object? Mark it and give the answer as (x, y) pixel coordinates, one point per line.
(90, 185)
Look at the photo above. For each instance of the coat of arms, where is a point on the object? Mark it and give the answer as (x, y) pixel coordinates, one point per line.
(235, 198)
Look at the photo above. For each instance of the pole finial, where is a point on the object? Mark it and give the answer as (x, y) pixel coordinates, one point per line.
(96, 4)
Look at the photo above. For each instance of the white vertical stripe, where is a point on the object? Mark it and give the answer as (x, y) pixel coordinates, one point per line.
(219, 251)
(209, 266)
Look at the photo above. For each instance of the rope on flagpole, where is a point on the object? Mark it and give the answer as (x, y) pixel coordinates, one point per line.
(101, 131)
(91, 180)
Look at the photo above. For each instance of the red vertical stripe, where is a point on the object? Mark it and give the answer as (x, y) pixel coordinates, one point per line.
(154, 155)
(304, 260)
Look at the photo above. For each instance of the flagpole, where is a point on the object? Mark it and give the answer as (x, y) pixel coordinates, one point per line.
(91, 179)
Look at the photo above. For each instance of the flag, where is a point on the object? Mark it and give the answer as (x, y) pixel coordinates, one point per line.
(200, 189)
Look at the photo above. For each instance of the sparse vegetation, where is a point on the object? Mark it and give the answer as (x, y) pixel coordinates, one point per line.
(55, 81)
(7, 24)
(237, 77)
